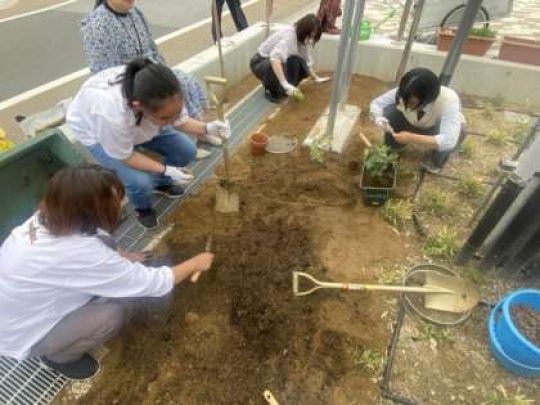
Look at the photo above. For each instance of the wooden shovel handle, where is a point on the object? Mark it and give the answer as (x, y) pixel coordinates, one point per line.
(364, 139)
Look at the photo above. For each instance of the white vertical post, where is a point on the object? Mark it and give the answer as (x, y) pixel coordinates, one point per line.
(353, 51)
(343, 48)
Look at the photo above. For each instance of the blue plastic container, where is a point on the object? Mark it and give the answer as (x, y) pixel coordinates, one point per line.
(513, 351)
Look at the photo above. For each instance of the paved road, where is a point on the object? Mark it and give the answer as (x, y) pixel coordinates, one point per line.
(37, 49)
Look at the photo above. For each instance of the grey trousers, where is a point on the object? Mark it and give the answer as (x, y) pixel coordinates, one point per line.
(80, 331)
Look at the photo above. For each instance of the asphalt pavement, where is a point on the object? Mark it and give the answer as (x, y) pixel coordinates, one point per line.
(43, 47)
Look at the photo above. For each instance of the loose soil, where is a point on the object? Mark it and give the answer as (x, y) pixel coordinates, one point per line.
(527, 320)
(239, 330)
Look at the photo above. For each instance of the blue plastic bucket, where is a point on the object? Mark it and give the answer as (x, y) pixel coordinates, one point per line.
(513, 351)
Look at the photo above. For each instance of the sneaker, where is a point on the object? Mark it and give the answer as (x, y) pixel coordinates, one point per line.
(430, 167)
(81, 369)
(202, 153)
(170, 190)
(271, 97)
(147, 218)
(211, 139)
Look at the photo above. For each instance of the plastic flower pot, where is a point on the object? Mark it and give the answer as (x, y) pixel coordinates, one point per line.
(365, 30)
(520, 50)
(376, 191)
(509, 346)
(258, 142)
(477, 46)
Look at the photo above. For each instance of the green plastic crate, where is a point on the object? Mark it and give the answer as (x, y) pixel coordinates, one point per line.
(25, 171)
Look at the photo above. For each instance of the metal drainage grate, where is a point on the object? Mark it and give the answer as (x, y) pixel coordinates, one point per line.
(30, 381)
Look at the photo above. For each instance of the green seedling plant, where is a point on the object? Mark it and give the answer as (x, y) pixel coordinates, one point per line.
(485, 32)
(471, 187)
(379, 159)
(498, 136)
(467, 149)
(436, 202)
(442, 244)
(319, 148)
(370, 360)
(436, 335)
(397, 212)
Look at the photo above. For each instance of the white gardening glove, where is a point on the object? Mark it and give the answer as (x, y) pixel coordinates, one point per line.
(216, 132)
(178, 174)
(292, 91)
(383, 123)
(319, 79)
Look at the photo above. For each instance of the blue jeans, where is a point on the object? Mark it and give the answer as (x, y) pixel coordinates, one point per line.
(176, 148)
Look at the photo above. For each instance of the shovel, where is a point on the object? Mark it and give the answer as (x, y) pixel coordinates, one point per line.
(226, 200)
(442, 292)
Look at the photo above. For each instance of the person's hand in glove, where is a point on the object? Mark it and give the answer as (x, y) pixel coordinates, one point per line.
(216, 132)
(292, 91)
(384, 124)
(179, 175)
(321, 79)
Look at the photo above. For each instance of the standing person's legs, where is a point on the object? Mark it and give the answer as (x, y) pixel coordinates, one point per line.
(237, 14)
(139, 185)
(219, 4)
(296, 69)
(77, 333)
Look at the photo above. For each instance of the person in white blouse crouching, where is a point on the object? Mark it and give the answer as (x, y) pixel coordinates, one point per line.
(285, 58)
(62, 285)
(422, 112)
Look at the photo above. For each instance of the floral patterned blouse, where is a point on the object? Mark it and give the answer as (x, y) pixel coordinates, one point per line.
(112, 39)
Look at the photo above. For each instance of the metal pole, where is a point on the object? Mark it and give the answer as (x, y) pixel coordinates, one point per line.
(355, 39)
(452, 59)
(269, 8)
(342, 48)
(217, 27)
(412, 33)
(404, 18)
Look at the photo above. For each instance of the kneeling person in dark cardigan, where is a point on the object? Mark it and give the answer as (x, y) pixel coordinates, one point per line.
(422, 112)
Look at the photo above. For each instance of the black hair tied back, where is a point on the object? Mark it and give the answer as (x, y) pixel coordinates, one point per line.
(421, 83)
(149, 83)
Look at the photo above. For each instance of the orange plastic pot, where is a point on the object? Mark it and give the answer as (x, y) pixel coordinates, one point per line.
(258, 142)
(520, 50)
(477, 46)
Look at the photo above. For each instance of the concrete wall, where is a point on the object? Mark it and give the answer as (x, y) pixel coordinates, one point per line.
(379, 58)
(237, 52)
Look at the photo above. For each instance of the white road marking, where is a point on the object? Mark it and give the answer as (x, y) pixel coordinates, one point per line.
(38, 11)
(10, 102)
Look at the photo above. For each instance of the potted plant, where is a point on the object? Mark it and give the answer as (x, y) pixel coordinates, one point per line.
(520, 50)
(477, 43)
(379, 173)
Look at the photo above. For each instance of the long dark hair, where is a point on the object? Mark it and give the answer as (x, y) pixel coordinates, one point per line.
(306, 26)
(149, 83)
(81, 199)
(421, 83)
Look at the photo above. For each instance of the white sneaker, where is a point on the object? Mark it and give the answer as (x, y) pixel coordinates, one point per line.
(202, 153)
(211, 139)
